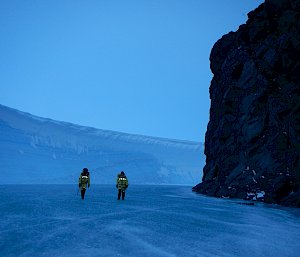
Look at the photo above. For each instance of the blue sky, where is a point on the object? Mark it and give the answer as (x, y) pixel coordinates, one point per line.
(136, 66)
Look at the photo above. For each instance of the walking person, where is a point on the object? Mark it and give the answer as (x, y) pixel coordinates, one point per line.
(122, 184)
(84, 181)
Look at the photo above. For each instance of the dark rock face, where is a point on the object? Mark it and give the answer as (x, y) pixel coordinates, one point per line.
(252, 143)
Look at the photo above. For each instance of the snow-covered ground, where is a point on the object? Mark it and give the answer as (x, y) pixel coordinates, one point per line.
(43, 151)
(52, 220)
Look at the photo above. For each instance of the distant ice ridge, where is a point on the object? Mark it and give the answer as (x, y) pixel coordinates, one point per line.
(40, 150)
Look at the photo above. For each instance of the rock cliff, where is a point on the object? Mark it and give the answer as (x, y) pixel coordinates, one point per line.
(252, 143)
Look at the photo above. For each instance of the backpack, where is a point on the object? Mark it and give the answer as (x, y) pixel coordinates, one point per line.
(84, 179)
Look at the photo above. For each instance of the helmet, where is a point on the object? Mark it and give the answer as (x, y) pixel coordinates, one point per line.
(122, 173)
(85, 170)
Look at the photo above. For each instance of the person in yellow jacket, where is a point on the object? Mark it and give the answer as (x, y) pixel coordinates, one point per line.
(122, 184)
(84, 181)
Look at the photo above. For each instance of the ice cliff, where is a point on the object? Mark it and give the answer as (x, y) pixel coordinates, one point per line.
(39, 150)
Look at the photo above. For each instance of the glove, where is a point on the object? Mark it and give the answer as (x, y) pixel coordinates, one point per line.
(126, 186)
(116, 186)
(88, 186)
(79, 185)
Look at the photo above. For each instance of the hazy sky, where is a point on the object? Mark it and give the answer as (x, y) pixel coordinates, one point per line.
(136, 66)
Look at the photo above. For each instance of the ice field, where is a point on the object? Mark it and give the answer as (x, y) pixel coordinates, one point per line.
(52, 220)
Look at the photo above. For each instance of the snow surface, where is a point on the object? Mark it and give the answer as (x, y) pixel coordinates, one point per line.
(44, 151)
(52, 220)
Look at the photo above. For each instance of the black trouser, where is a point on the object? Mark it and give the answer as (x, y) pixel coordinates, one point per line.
(121, 192)
(82, 193)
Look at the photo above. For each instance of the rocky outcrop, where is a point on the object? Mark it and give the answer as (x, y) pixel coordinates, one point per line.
(252, 141)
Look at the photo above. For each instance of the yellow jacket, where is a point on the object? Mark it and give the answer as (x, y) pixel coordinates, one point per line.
(122, 182)
(84, 180)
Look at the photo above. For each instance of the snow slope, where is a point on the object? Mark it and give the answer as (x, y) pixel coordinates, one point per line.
(40, 150)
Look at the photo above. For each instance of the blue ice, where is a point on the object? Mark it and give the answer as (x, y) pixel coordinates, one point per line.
(52, 220)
